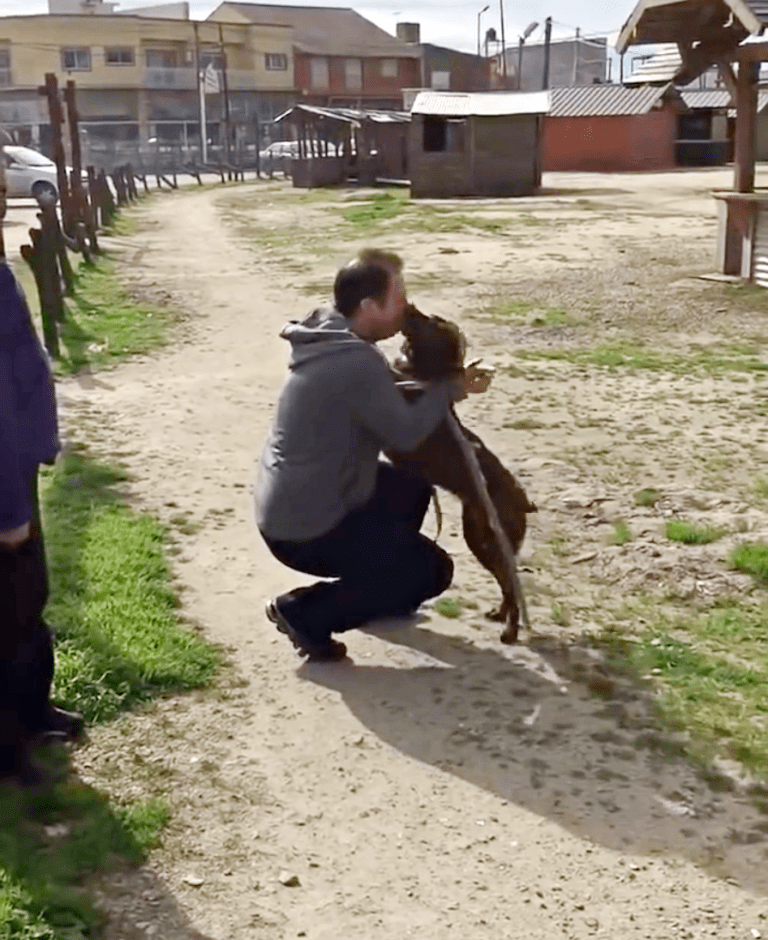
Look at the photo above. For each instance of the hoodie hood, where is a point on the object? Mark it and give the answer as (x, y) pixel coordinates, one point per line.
(324, 332)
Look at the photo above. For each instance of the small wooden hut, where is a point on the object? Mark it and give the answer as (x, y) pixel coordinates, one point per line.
(477, 144)
(338, 144)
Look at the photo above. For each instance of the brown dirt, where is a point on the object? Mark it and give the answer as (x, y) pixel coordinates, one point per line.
(440, 784)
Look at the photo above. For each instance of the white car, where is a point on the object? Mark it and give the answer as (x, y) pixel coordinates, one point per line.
(29, 173)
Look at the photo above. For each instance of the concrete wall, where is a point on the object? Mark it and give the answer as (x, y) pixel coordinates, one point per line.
(467, 72)
(610, 144)
(573, 62)
(500, 157)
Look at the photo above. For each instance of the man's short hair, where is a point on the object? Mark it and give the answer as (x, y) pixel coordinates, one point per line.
(387, 259)
(357, 281)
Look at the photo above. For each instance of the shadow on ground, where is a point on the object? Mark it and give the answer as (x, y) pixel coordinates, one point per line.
(584, 754)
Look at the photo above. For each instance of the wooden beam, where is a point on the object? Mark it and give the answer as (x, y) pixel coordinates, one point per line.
(746, 122)
(753, 52)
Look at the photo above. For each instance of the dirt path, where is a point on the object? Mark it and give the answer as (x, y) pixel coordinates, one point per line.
(440, 785)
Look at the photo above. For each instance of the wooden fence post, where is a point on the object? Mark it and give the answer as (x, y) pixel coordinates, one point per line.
(51, 91)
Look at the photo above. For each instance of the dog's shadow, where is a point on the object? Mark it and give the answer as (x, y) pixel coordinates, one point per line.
(505, 719)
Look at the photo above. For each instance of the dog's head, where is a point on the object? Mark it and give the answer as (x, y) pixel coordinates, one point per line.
(433, 348)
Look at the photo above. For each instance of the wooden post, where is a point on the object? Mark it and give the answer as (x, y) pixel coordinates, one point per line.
(56, 114)
(225, 89)
(746, 120)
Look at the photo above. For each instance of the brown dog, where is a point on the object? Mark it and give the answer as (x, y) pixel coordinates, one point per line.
(434, 349)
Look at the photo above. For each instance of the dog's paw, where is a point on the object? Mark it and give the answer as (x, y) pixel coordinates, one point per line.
(497, 615)
(510, 634)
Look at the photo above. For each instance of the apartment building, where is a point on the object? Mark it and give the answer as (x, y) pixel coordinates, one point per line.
(137, 77)
(340, 58)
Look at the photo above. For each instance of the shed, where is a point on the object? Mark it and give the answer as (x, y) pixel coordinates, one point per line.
(610, 128)
(477, 144)
(338, 143)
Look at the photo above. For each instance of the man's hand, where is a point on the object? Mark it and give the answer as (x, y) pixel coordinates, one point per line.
(13, 538)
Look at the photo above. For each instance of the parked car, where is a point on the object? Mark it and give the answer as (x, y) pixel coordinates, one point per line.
(29, 173)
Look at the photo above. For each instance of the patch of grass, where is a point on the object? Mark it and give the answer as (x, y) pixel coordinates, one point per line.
(50, 845)
(104, 325)
(452, 607)
(761, 488)
(379, 208)
(561, 614)
(553, 317)
(646, 498)
(678, 530)
(751, 559)
(113, 604)
(525, 424)
(621, 533)
(711, 671)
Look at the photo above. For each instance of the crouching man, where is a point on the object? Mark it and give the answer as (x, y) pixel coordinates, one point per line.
(326, 505)
(28, 438)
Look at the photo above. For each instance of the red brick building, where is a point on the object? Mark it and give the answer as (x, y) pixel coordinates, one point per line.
(611, 128)
(339, 57)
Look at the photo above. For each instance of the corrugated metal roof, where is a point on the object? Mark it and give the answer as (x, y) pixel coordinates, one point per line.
(662, 66)
(347, 115)
(481, 104)
(759, 8)
(604, 100)
(708, 98)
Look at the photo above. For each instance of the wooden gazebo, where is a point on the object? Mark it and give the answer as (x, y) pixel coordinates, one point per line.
(721, 33)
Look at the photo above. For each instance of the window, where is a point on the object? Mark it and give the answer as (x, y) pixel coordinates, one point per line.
(5, 67)
(389, 68)
(276, 62)
(214, 59)
(353, 74)
(319, 72)
(76, 60)
(117, 55)
(162, 59)
(443, 136)
(441, 81)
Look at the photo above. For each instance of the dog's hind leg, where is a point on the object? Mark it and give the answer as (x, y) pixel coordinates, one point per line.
(482, 543)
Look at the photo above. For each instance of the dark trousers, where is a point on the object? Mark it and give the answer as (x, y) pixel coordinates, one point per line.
(383, 566)
(26, 649)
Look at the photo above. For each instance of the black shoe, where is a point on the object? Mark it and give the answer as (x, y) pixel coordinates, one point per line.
(57, 723)
(330, 652)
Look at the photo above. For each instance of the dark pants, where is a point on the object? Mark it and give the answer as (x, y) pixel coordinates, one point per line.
(384, 567)
(26, 649)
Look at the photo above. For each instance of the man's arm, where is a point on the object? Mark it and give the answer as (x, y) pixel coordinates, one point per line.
(379, 405)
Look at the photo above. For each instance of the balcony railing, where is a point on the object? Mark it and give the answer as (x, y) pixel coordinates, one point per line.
(184, 79)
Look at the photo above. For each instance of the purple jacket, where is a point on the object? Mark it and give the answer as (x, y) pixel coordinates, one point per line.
(28, 425)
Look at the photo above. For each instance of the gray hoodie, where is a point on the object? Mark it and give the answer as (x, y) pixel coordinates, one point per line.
(339, 408)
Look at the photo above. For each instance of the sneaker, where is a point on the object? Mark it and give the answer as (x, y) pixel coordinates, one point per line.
(330, 652)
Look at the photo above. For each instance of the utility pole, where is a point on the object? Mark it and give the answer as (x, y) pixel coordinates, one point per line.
(547, 45)
(503, 45)
(576, 57)
(225, 89)
(201, 95)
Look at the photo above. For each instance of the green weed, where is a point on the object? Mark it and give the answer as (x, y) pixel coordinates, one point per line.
(621, 533)
(677, 530)
(646, 498)
(751, 559)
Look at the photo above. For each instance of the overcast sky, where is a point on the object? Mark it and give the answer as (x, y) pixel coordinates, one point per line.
(443, 22)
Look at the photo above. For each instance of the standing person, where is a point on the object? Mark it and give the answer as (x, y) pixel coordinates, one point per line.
(28, 438)
(325, 503)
